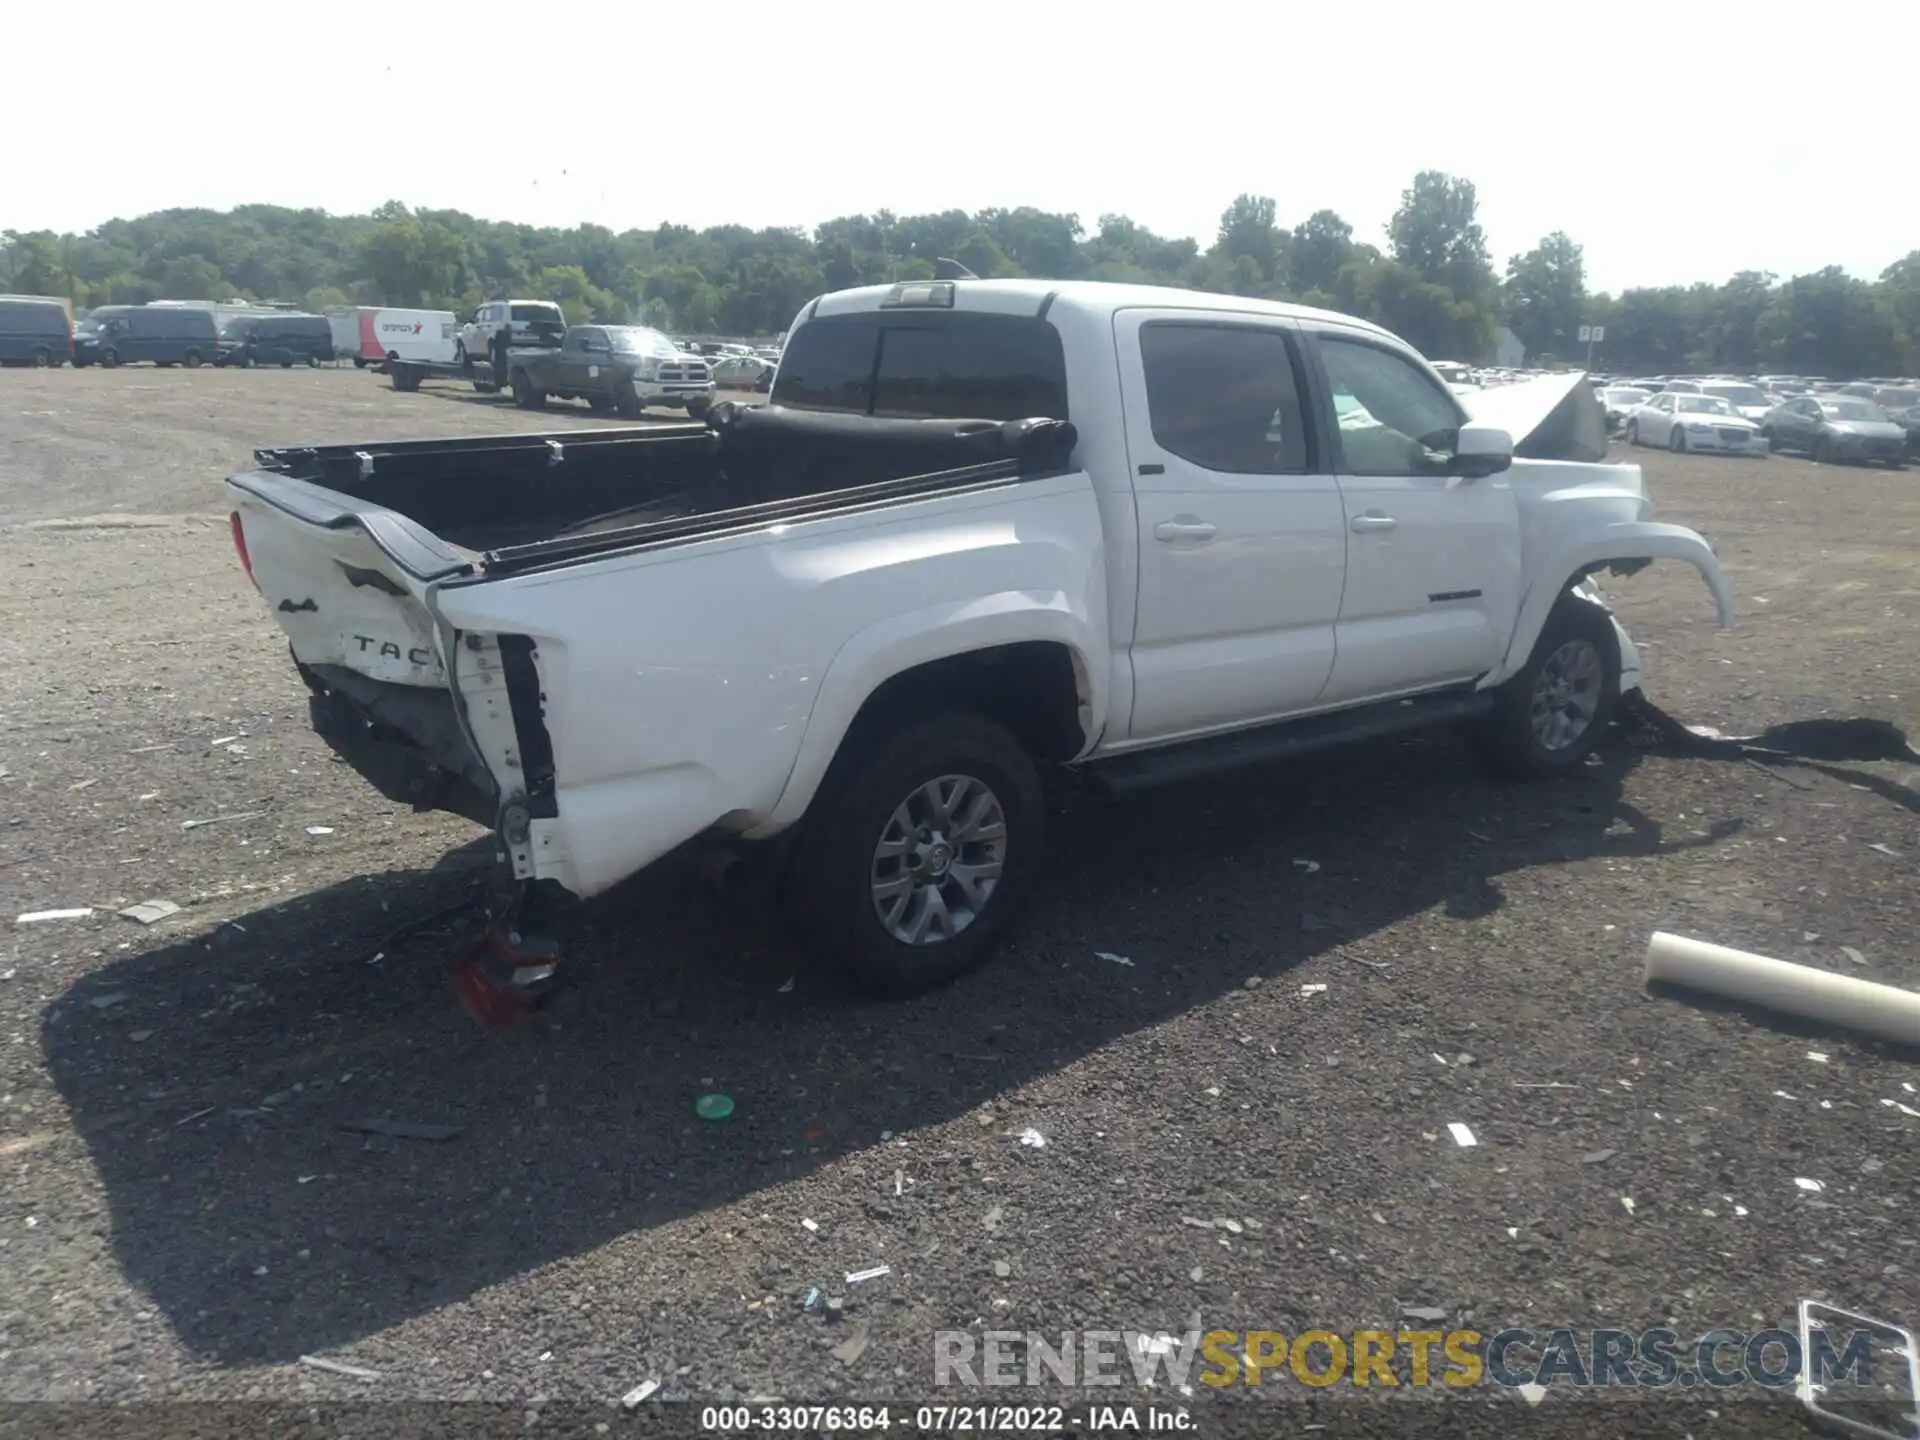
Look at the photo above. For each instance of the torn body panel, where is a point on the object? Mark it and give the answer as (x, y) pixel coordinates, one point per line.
(1580, 519)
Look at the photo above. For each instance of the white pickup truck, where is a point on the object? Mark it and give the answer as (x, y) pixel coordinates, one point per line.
(984, 529)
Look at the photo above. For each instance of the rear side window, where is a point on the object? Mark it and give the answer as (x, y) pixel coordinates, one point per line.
(1225, 397)
(945, 365)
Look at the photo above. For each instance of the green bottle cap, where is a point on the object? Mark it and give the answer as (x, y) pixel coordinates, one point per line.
(713, 1107)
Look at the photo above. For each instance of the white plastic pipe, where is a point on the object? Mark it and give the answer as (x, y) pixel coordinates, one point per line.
(1883, 1010)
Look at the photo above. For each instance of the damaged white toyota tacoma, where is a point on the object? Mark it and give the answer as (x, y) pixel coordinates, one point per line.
(982, 530)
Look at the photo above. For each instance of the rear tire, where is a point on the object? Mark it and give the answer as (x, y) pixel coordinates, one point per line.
(1633, 432)
(1677, 440)
(1548, 717)
(877, 859)
(1822, 451)
(524, 395)
(193, 359)
(42, 357)
(109, 359)
(460, 355)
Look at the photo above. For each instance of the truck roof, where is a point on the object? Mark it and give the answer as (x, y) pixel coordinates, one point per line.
(1090, 297)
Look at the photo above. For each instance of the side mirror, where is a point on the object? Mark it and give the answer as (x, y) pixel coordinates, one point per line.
(1480, 451)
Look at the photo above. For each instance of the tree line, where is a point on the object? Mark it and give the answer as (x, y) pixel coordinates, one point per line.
(1433, 282)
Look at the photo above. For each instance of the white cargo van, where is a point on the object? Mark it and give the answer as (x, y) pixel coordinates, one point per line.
(380, 334)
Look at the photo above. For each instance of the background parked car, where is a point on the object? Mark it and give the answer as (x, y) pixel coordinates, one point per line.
(1750, 401)
(283, 340)
(156, 334)
(1619, 401)
(1837, 427)
(1902, 404)
(34, 330)
(1681, 422)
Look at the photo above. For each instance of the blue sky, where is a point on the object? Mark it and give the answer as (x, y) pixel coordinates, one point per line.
(1676, 143)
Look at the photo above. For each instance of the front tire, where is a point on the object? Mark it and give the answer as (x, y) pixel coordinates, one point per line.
(1548, 717)
(918, 852)
(1677, 440)
(42, 357)
(524, 395)
(1633, 432)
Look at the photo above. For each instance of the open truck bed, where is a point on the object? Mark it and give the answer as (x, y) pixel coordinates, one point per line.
(506, 502)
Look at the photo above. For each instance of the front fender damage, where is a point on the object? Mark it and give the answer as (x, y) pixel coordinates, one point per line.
(1623, 547)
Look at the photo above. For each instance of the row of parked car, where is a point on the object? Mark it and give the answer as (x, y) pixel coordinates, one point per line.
(41, 330)
(1865, 421)
(38, 330)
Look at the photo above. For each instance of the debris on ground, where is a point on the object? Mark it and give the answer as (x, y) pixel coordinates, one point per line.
(86, 784)
(1462, 1136)
(1885, 850)
(1852, 954)
(221, 819)
(1598, 1157)
(36, 917)
(714, 1106)
(1626, 1202)
(812, 1227)
(1805, 1184)
(337, 1367)
(637, 1396)
(1817, 1056)
(149, 912)
(223, 740)
(1426, 1314)
(1805, 991)
(853, 1347)
(1111, 958)
(1307, 992)
(1309, 867)
(403, 1129)
(1033, 1139)
(995, 1216)
(1002, 1269)
(319, 830)
(109, 1000)
(786, 989)
(899, 1183)
(872, 1272)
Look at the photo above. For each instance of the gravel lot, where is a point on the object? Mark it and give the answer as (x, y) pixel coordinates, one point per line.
(183, 1217)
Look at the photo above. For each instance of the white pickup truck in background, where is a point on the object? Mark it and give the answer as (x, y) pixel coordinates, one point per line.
(984, 529)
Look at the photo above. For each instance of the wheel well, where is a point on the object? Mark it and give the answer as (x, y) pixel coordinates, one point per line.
(1033, 688)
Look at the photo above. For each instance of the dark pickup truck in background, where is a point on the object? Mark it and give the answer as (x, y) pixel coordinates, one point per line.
(618, 368)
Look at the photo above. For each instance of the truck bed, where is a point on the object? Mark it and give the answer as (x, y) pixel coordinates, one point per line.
(509, 501)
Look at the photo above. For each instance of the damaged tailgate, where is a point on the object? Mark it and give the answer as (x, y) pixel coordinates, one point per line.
(350, 583)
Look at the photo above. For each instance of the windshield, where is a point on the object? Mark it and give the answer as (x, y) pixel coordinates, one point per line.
(1624, 395)
(1851, 409)
(1897, 399)
(638, 340)
(1703, 405)
(1738, 394)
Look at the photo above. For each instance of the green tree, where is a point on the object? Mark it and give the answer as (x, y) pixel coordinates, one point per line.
(1322, 246)
(1248, 232)
(1436, 233)
(1545, 295)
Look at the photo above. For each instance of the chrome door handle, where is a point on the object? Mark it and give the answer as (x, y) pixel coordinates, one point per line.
(1373, 521)
(1183, 530)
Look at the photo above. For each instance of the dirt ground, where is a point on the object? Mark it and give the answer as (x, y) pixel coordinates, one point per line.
(182, 1215)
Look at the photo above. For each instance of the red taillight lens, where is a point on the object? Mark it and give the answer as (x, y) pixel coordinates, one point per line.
(240, 547)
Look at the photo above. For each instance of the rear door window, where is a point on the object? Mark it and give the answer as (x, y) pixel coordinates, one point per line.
(1226, 397)
(949, 365)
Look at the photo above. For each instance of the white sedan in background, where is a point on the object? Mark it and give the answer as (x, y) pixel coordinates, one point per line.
(1683, 422)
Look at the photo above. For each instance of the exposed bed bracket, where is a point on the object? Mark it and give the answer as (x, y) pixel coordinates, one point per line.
(556, 452)
(366, 463)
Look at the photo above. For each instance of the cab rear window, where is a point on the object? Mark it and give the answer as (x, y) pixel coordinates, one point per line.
(945, 365)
